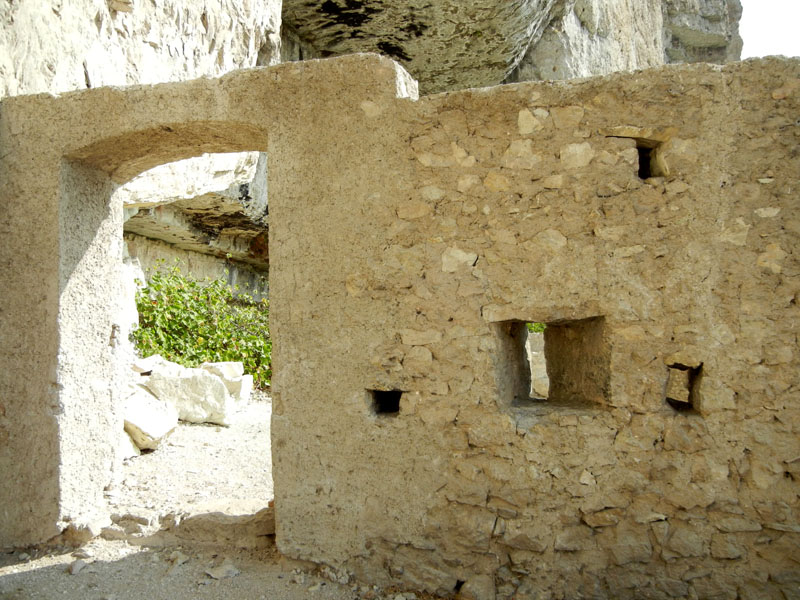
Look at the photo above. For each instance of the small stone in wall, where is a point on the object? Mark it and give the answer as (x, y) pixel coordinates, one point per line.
(466, 182)
(520, 155)
(454, 258)
(567, 117)
(553, 182)
(575, 156)
(552, 239)
(496, 182)
(527, 123)
(772, 259)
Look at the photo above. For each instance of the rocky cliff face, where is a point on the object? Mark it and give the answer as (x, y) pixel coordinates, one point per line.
(73, 44)
(702, 30)
(444, 44)
(596, 37)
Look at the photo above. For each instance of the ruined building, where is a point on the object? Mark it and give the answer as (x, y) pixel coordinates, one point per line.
(649, 219)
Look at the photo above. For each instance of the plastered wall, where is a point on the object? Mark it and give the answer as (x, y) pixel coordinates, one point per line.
(409, 243)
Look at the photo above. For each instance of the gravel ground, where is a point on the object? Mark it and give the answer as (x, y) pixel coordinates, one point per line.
(203, 466)
(197, 469)
(115, 570)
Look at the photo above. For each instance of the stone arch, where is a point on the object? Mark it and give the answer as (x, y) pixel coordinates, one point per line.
(61, 159)
(90, 241)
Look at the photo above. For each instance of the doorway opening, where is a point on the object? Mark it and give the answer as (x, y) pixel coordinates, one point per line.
(196, 403)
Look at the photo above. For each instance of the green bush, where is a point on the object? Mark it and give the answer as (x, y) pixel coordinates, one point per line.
(191, 322)
(536, 327)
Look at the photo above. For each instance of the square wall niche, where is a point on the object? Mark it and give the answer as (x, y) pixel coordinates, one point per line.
(576, 359)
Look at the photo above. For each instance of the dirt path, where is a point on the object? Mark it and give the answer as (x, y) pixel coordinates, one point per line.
(200, 466)
(199, 470)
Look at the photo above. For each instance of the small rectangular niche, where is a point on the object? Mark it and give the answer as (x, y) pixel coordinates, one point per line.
(680, 387)
(386, 402)
(648, 145)
(567, 364)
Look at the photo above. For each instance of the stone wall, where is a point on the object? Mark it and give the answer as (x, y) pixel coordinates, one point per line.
(650, 221)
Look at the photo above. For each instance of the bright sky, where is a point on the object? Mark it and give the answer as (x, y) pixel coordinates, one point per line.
(770, 27)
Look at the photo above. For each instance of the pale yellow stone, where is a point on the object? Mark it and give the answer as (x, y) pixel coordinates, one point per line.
(503, 236)
(767, 212)
(417, 359)
(552, 239)
(553, 182)
(467, 182)
(413, 209)
(612, 234)
(454, 259)
(527, 123)
(736, 234)
(567, 117)
(520, 155)
(628, 251)
(429, 159)
(496, 182)
(431, 192)
(576, 156)
(772, 259)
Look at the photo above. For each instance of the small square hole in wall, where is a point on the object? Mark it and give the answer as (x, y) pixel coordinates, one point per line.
(560, 362)
(680, 387)
(386, 402)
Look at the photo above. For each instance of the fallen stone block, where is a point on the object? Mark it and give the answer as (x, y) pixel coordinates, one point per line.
(232, 374)
(224, 370)
(148, 420)
(198, 396)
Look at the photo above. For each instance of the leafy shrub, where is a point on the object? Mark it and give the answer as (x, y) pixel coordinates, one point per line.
(536, 327)
(190, 322)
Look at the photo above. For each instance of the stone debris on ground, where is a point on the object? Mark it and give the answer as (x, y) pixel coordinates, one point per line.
(165, 392)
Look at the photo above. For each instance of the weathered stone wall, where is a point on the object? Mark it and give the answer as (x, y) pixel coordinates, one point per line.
(59, 317)
(410, 241)
(525, 203)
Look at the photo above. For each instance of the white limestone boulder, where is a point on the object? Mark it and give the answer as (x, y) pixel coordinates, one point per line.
(126, 447)
(238, 384)
(198, 396)
(155, 362)
(148, 420)
(224, 370)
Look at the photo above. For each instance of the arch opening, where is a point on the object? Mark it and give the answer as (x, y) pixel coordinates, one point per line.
(214, 217)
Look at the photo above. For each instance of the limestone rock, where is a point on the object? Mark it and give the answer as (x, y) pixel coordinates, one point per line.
(126, 447)
(239, 385)
(595, 37)
(148, 420)
(98, 44)
(198, 396)
(445, 44)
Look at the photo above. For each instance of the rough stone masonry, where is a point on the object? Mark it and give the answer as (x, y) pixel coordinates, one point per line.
(649, 220)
